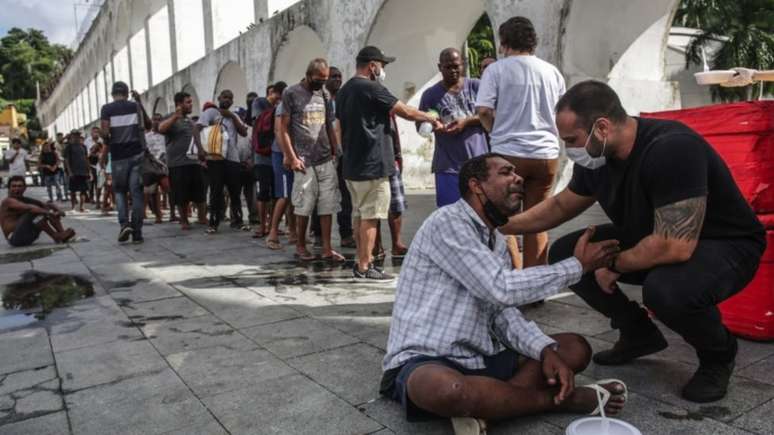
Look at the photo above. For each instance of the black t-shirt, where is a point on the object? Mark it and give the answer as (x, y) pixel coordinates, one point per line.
(126, 132)
(363, 108)
(668, 163)
(48, 159)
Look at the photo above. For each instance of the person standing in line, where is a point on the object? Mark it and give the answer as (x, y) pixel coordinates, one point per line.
(364, 107)
(343, 217)
(61, 142)
(223, 170)
(123, 124)
(91, 143)
(17, 158)
(185, 172)
(247, 180)
(516, 102)
(76, 163)
(48, 164)
(308, 144)
(462, 137)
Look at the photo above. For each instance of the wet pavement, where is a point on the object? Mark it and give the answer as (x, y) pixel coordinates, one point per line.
(196, 334)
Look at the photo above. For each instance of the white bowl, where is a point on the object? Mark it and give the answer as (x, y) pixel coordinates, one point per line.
(593, 426)
(714, 77)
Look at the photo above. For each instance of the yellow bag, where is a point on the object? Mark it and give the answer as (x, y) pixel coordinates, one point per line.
(215, 141)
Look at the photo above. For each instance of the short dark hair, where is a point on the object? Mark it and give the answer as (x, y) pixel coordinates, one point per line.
(591, 100)
(279, 87)
(252, 94)
(16, 178)
(180, 97)
(269, 89)
(518, 33)
(478, 168)
(16, 140)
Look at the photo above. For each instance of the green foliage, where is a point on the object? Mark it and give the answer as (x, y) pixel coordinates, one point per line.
(27, 57)
(749, 27)
(481, 43)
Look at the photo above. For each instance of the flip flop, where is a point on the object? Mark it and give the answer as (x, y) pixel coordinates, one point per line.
(468, 426)
(308, 256)
(260, 235)
(274, 245)
(603, 395)
(335, 257)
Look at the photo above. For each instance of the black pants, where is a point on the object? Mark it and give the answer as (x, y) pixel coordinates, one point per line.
(224, 173)
(344, 217)
(247, 183)
(683, 296)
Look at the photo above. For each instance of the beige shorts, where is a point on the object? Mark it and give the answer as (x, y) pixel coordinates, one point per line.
(370, 199)
(318, 187)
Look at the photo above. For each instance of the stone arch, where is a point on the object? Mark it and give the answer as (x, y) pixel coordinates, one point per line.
(299, 46)
(197, 104)
(232, 77)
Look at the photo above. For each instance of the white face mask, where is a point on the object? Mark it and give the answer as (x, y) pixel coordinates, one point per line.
(382, 76)
(582, 157)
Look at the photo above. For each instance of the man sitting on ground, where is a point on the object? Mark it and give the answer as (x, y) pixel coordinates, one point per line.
(456, 334)
(24, 218)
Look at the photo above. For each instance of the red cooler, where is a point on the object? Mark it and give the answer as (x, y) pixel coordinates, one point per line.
(743, 134)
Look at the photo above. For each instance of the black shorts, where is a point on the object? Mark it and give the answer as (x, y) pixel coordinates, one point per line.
(79, 183)
(264, 182)
(26, 231)
(394, 385)
(187, 184)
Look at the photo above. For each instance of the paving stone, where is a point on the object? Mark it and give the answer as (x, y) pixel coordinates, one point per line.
(351, 372)
(141, 405)
(758, 420)
(25, 380)
(163, 310)
(211, 428)
(391, 415)
(51, 424)
(144, 292)
(290, 404)
(298, 337)
(40, 401)
(196, 333)
(24, 349)
(761, 371)
(217, 369)
(77, 334)
(569, 318)
(111, 362)
(96, 309)
(241, 307)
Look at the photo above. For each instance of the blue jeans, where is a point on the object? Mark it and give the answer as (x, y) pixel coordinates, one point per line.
(52, 181)
(127, 178)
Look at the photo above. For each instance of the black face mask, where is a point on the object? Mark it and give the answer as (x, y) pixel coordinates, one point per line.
(316, 85)
(495, 216)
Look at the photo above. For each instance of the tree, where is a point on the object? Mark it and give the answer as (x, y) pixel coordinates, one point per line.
(27, 58)
(746, 28)
(481, 44)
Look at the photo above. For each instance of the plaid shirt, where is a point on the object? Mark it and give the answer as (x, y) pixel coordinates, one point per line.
(456, 298)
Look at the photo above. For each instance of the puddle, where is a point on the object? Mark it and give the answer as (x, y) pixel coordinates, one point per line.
(38, 293)
(688, 415)
(18, 257)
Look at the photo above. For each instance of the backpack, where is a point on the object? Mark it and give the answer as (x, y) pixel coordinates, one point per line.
(263, 132)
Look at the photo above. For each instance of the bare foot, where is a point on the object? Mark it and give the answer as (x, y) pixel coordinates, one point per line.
(584, 400)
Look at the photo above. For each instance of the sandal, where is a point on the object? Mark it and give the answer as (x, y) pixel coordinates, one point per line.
(292, 240)
(260, 235)
(399, 252)
(335, 257)
(603, 395)
(273, 244)
(306, 256)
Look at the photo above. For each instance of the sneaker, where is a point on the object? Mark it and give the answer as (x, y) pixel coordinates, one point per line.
(468, 426)
(630, 346)
(137, 240)
(710, 382)
(372, 274)
(124, 234)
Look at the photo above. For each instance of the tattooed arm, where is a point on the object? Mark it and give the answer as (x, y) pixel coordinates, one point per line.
(675, 235)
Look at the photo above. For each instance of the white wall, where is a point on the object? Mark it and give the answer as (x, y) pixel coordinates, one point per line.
(229, 19)
(139, 56)
(232, 77)
(189, 32)
(276, 6)
(160, 46)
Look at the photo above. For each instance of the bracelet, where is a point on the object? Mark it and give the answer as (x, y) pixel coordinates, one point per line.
(612, 266)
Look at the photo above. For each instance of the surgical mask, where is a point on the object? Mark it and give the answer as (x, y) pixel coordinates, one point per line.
(495, 216)
(582, 157)
(382, 76)
(316, 85)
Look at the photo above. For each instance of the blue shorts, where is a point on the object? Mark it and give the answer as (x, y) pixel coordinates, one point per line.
(447, 189)
(394, 385)
(283, 179)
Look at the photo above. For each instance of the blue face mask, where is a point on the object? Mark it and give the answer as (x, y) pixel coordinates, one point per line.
(582, 157)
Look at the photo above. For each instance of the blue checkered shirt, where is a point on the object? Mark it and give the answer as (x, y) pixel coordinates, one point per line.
(457, 297)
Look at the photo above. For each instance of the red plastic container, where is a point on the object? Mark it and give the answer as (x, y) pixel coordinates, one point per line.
(743, 135)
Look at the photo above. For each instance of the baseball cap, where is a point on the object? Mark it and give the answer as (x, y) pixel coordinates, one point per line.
(370, 53)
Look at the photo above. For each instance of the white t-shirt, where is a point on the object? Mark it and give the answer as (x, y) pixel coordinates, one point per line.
(17, 167)
(523, 91)
(157, 144)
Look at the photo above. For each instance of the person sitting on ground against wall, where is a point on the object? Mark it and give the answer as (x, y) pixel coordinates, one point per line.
(23, 218)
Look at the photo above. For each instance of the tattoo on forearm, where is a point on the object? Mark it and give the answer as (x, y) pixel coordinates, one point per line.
(682, 220)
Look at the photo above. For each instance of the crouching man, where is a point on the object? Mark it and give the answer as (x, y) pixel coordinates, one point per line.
(458, 346)
(24, 218)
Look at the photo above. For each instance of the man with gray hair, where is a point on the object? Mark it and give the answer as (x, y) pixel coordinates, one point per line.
(308, 145)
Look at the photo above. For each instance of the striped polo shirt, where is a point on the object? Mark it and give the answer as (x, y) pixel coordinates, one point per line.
(125, 129)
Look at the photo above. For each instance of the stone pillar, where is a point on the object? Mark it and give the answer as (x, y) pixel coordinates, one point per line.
(129, 61)
(261, 8)
(148, 55)
(208, 31)
(172, 34)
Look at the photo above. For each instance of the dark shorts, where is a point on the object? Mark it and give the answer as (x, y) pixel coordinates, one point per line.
(79, 183)
(187, 184)
(264, 182)
(447, 189)
(502, 366)
(397, 193)
(26, 231)
(283, 179)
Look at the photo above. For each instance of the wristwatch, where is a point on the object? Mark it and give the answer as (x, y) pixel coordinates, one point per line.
(612, 266)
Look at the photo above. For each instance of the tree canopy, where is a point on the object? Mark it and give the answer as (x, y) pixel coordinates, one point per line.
(27, 57)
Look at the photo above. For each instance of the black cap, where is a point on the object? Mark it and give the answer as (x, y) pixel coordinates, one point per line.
(370, 53)
(120, 88)
(75, 131)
